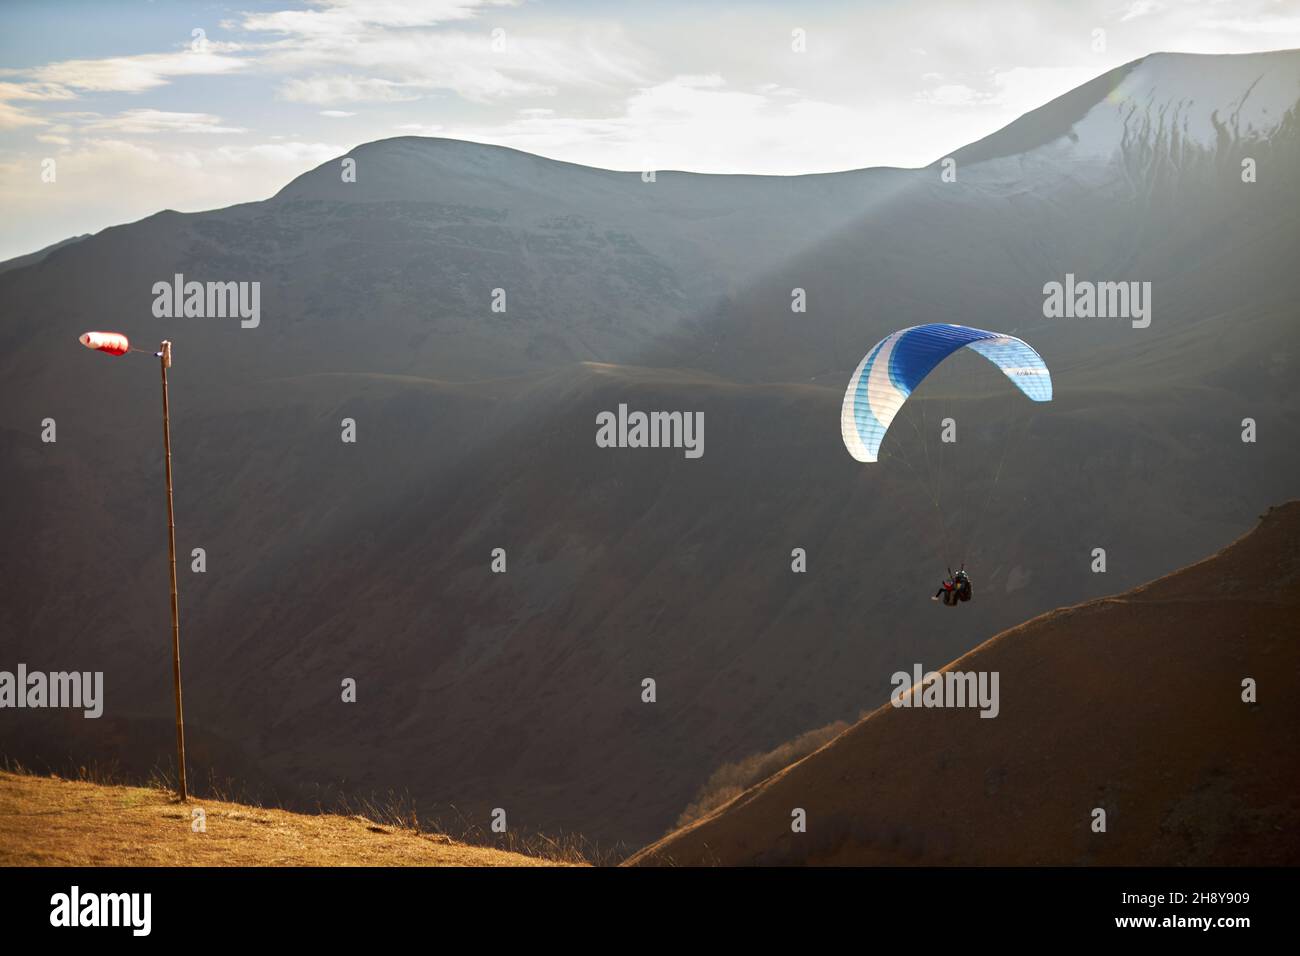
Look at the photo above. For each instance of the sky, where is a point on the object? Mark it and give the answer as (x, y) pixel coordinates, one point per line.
(140, 106)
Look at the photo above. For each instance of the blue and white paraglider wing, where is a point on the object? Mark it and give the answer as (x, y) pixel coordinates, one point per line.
(894, 368)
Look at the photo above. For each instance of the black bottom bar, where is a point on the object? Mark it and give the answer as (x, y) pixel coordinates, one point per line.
(554, 905)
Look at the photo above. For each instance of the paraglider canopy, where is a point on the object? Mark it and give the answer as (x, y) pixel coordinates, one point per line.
(114, 343)
(898, 362)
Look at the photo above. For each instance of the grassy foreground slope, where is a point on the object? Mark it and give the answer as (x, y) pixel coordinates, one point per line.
(49, 821)
(1132, 704)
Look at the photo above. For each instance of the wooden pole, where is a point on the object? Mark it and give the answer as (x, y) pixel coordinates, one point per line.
(165, 356)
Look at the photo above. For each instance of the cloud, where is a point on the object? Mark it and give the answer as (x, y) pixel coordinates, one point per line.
(953, 94)
(320, 90)
(132, 74)
(692, 121)
(286, 156)
(462, 65)
(144, 178)
(1015, 91)
(34, 91)
(147, 121)
(1024, 88)
(336, 114)
(1141, 8)
(422, 129)
(347, 18)
(11, 117)
(349, 51)
(382, 47)
(1268, 25)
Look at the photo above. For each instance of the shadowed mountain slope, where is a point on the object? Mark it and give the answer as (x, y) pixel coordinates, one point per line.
(1130, 703)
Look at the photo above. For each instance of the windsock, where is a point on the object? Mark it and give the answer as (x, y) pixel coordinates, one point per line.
(114, 343)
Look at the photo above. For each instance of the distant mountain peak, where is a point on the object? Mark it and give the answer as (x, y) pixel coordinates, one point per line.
(411, 167)
(1170, 101)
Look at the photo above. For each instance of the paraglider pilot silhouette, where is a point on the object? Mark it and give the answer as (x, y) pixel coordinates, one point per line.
(893, 369)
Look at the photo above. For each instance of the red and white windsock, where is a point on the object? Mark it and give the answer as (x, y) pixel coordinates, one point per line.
(114, 343)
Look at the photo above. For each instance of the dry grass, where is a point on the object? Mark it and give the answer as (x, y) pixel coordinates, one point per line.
(732, 779)
(50, 821)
